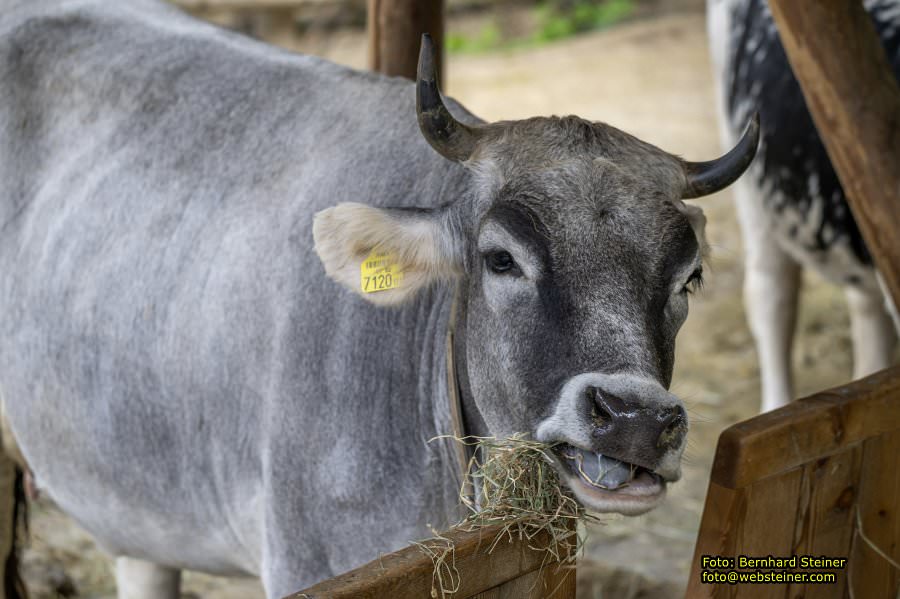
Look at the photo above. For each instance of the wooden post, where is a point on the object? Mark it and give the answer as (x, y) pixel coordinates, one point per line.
(7, 525)
(854, 100)
(276, 26)
(395, 29)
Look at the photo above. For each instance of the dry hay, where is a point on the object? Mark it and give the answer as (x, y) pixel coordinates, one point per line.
(519, 490)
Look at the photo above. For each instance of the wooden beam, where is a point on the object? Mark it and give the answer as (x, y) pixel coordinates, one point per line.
(408, 573)
(10, 580)
(854, 100)
(395, 28)
(276, 26)
(826, 423)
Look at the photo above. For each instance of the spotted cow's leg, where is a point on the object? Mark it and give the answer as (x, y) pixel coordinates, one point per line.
(138, 579)
(771, 286)
(889, 305)
(872, 330)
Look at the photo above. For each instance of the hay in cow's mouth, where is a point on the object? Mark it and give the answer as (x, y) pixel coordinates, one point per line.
(519, 489)
(599, 471)
(606, 484)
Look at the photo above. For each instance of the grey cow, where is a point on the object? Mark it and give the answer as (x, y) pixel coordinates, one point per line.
(186, 381)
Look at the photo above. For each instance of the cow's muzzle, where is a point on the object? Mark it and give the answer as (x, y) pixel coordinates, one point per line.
(617, 440)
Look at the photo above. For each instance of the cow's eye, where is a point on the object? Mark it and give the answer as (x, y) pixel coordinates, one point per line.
(694, 282)
(500, 262)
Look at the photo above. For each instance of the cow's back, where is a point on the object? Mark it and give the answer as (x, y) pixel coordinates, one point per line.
(166, 330)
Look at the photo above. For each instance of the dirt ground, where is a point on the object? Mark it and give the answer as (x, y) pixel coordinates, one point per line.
(652, 78)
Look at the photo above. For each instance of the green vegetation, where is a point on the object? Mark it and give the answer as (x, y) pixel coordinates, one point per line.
(488, 38)
(583, 15)
(555, 19)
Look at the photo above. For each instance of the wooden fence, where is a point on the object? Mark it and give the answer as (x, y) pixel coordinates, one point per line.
(511, 570)
(817, 477)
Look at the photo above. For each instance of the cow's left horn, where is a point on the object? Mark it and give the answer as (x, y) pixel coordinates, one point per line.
(448, 136)
(704, 178)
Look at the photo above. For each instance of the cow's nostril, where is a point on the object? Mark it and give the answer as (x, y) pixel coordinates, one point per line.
(599, 413)
(600, 416)
(674, 428)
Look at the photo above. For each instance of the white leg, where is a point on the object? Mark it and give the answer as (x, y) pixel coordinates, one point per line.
(137, 579)
(889, 305)
(771, 286)
(872, 330)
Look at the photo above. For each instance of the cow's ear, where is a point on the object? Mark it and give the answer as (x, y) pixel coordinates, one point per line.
(385, 254)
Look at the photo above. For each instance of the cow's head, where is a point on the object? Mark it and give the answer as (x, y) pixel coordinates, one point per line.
(575, 255)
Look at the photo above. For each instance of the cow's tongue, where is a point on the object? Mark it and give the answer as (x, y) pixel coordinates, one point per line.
(600, 470)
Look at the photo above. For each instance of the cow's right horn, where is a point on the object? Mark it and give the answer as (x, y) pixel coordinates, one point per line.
(448, 136)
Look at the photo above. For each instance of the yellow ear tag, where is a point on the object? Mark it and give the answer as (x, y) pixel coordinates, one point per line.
(380, 271)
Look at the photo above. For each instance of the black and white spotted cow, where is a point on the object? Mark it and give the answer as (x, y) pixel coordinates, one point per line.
(792, 210)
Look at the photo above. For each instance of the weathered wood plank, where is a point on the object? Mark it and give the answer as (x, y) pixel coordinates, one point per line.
(825, 520)
(767, 527)
(559, 582)
(407, 574)
(550, 582)
(879, 506)
(808, 429)
(758, 520)
(854, 100)
(724, 507)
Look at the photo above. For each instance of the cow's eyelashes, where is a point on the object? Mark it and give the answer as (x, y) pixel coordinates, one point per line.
(501, 262)
(694, 282)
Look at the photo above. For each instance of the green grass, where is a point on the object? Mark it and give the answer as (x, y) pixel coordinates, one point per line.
(488, 38)
(586, 15)
(555, 20)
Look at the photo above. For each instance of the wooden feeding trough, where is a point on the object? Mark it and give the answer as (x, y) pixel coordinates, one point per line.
(510, 571)
(816, 477)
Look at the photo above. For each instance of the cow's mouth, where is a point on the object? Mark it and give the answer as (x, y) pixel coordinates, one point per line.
(605, 484)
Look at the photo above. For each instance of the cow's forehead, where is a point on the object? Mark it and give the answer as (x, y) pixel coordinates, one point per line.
(585, 188)
(568, 165)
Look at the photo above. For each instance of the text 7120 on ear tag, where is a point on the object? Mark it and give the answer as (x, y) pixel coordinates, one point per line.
(380, 271)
